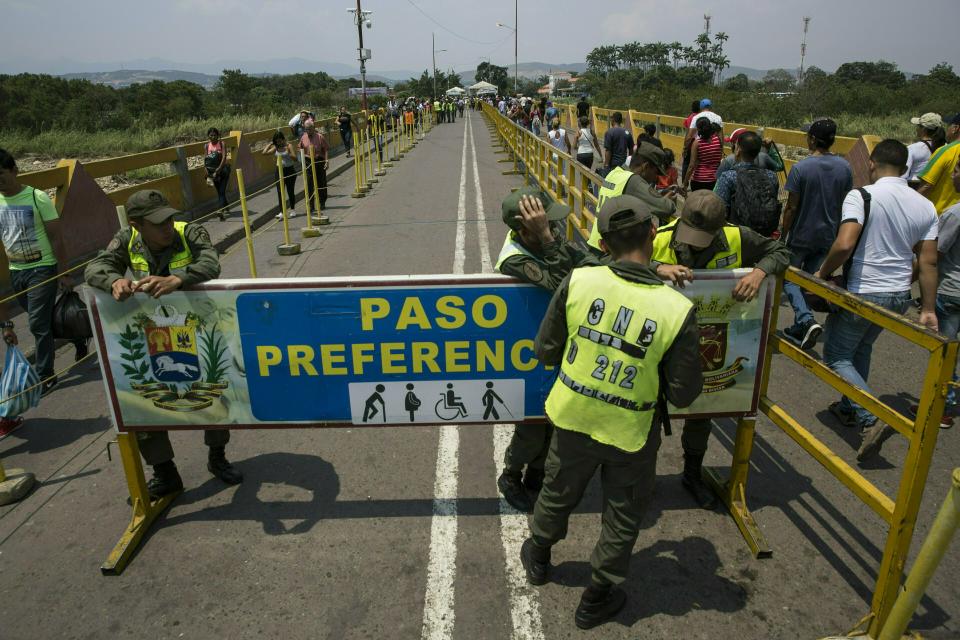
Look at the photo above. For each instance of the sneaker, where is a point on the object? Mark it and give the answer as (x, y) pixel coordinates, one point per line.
(536, 562)
(512, 490)
(9, 425)
(946, 420)
(805, 335)
(873, 440)
(598, 605)
(210, 182)
(48, 386)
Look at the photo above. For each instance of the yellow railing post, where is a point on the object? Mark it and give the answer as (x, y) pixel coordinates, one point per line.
(379, 137)
(306, 191)
(358, 188)
(288, 248)
(309, 231)
(14, 484)
(928, 559)
(144, 510)
(368, 154)
(246, 223)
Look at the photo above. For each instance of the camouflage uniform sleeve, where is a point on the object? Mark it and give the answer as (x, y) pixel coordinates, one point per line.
(110, 264)
(206, 260)
(772, 256)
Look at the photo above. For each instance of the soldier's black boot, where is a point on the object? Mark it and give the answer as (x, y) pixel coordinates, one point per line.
(536, 561)
(533, 479)
(692, 481)
(598, 604)
(218, 465)
(512, 489)
(166, 480)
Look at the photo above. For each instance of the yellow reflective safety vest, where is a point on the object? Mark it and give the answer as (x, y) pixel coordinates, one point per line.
(138, 262)
(613, 185)
(664, 253)
(512, 247)
(609, 378)
(436, 105)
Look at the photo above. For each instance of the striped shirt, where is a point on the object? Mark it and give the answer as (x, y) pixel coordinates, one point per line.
(709, 155)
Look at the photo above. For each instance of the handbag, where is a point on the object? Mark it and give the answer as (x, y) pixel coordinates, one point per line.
(18, 376)
(818, 303)
(70, 318)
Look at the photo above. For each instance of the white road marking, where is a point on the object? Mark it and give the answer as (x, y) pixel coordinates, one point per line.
(438, 606)
(524, 602)
(485, 265)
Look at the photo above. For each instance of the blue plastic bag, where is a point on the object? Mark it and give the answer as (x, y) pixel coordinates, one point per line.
(18, 374)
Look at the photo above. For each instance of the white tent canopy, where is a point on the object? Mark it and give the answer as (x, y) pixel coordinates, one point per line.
(483, 87)
(456, 91)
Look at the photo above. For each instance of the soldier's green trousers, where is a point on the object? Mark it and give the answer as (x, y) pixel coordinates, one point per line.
(627, 480)
(695, 435)
(155, 445)
(528, 447)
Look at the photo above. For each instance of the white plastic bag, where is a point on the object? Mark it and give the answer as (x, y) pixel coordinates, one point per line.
(18, 374)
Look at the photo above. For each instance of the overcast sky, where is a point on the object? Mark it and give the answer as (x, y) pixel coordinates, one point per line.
(763, 34)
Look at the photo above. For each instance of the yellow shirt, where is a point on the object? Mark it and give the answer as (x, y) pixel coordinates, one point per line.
(938, 174)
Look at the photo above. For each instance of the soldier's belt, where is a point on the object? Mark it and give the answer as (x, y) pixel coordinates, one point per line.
(609, 398)
(612, 341)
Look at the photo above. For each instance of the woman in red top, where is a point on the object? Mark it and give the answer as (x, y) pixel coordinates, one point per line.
(706, 152)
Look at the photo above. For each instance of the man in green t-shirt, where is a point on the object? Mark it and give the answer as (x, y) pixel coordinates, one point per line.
(29, 231)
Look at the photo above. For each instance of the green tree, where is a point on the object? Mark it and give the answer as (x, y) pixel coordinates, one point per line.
(494, 74)
(739, 83)
(881, 73)
(235, 86)
(779, 81)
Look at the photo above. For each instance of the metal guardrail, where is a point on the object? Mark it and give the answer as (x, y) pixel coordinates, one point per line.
(567, 180)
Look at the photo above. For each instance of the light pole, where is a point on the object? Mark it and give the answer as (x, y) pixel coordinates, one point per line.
(359, 18)
(435, 50)
(516, 22)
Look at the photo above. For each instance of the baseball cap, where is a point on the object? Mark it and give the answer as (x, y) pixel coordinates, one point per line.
(510, 207)
(150, 205)
(954, 119)
(823, 129)
(652, 154)
(706, 103)
(622, 212)
(736, 134)
(928, 121)
(703, 215)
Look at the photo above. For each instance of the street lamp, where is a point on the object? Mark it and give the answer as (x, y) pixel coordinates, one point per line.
(360, 18)
(516, 23)
(435, 51)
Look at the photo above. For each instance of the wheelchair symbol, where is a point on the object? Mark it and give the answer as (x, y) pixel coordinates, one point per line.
(450, 406)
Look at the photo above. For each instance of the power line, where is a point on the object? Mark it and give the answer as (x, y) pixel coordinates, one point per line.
(450, 31)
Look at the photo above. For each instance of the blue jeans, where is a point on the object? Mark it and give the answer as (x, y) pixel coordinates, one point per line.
(948, 316)
(849, 345)
(38, 303)
(808, 260)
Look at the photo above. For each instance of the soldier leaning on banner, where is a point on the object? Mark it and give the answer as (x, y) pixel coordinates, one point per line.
(701, 239)
(623, 341)
(536, 252)
(162, 256)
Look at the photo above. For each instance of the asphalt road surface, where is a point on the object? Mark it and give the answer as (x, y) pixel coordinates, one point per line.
(400, 533)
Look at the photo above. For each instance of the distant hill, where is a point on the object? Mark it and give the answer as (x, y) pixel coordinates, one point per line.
(125, 78)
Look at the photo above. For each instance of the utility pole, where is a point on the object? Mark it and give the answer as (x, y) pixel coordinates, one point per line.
(803, 48)
(516, 27)
(706, 23)
(359, 18)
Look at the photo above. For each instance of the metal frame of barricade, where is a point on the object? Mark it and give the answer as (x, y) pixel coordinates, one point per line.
(900, 514)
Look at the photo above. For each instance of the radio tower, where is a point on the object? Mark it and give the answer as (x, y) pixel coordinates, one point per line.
(706, 23)
(803, 48)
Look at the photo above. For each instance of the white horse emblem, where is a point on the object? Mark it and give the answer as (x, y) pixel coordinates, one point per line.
(166, 364)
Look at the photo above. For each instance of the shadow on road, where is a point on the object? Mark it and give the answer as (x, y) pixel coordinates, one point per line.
(46, 434)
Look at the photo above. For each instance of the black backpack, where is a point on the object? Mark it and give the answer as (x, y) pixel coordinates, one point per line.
(755, 203)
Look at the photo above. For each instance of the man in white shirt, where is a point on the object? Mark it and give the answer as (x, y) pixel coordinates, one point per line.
(882, 227)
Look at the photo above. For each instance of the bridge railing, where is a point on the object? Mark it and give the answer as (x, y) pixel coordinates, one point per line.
(568, 181)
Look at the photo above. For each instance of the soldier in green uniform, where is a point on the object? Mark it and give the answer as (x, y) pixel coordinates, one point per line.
(162, 255)
(534, 251)
(701, 239)
(639, 181)
(624, 343)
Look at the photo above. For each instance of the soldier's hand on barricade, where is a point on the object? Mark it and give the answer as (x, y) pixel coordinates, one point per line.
(534, 218)
(122, 288)
(748, 286)
(678, 274)
(157, 286)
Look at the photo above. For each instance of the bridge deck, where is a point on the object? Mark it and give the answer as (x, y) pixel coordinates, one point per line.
(333, 534)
